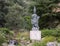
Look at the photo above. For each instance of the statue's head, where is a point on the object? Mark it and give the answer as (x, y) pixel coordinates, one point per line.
(34, 16)
(34, 10)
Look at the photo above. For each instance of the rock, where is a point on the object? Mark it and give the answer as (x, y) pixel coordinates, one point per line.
(58, 44)
(4, 44)
(51, 44)
(11, 45)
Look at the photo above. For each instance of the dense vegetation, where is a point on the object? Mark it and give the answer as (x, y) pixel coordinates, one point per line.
(13, 14)
(48, 16)
(16, 15)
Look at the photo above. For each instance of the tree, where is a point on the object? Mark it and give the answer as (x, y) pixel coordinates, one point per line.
(3, 12)
(17, 17)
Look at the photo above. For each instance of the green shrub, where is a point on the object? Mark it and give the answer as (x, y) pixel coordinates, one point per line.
(49, 39)
(2, 38)
(4, 34)
(58, 39)
(5, 30)
(45, 40)
(39, 44)
(58, 33)
(18, 44)
(51, 32)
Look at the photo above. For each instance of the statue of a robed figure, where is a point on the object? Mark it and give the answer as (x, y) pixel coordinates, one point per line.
(35, 33)
(34, 20)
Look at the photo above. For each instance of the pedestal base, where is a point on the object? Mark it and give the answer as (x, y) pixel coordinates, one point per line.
(35, 35)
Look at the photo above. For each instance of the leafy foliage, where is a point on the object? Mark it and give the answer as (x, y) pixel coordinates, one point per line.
(16, 14)
(51, 32)
(45, 11)
(39, 44)
(4, 35)
(3, 12)
(49, 39)
(2, 38)
(58, 39)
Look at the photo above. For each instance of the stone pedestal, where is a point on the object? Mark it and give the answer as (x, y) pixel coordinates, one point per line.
(35, 35)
